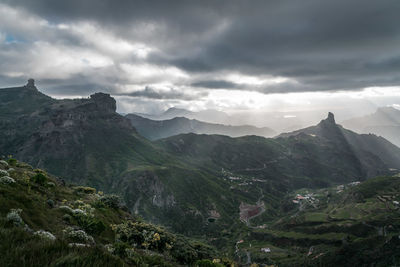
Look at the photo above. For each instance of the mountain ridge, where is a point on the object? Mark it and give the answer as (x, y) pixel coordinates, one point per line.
(384, 122)
(158, 129)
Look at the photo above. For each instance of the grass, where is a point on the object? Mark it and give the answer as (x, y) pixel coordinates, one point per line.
(19, 247)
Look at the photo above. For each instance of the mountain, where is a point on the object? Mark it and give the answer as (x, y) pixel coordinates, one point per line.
(154, 129)
(384, 122)
(318, 154)
(209, 115)
(210, 186)
(85, 141)
(368, 149)
(76, 139)
(199, 185)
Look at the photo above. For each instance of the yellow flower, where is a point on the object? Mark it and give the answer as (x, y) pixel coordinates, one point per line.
(156, 237)
(216, 260)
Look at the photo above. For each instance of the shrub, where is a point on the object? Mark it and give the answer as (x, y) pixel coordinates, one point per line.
(207, 263)
(67, 218)
(45, 235)
(3, 173)
(79, 245)
(14, 217)
(85, 189)
(142, 235)
(110, 248)
(3, 164)
(50, 202)
(79, 212)
(6, 180)
(78, 236)
(90, 224)
(51, 184)
(66, 209)
(39, 178)
(112, 201)
(12, 161)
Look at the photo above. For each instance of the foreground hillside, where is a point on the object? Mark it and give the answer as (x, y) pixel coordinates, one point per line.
(45, 223)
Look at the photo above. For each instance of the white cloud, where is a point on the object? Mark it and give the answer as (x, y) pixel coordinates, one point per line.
(243, 79)
(106, 41)
(148, 73)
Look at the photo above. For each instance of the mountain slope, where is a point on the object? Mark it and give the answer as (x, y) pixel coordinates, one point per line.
(153, 129)
(321, 154)
(351, 225)
(76, 139)
(45, 223)
(384, 122)
(86, 141)
(370, 150)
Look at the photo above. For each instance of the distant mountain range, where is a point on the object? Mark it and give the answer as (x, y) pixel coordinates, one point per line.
(208, 115)
(157, 129)
(193, 183)
(384, 122)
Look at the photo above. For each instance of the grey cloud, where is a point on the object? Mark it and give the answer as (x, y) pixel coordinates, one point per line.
(151, 93)
(215, 84)
(323, 45)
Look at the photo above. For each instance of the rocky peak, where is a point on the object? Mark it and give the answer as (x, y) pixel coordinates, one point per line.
(329, 124)
(331, 118)
(104, 101)
(31, 84)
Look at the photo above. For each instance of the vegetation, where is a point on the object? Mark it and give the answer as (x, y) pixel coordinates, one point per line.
(81, 228)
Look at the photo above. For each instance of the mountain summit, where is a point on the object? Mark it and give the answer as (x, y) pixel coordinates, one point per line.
(331, 118)
(31, 84)
(104, 101)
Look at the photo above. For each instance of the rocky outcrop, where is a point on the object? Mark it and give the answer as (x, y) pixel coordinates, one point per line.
(104, 101)
(31, 84)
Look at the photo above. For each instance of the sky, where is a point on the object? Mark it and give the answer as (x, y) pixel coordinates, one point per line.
(235, 56)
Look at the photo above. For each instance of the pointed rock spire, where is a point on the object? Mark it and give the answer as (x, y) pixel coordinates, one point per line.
(331, 118)
(31, 84)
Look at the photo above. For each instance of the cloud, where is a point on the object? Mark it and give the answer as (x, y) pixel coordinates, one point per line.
(170, 93)
(195, 47)
(215, 84)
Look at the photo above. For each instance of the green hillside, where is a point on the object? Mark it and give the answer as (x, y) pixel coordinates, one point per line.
(350, 225)
(46, 223)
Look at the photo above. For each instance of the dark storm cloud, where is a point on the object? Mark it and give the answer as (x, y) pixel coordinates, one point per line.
(322, 45)
(215, 84)
(152, 93)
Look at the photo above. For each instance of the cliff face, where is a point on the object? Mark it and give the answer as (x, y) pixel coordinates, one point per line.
(59, 134)
(104, 102)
